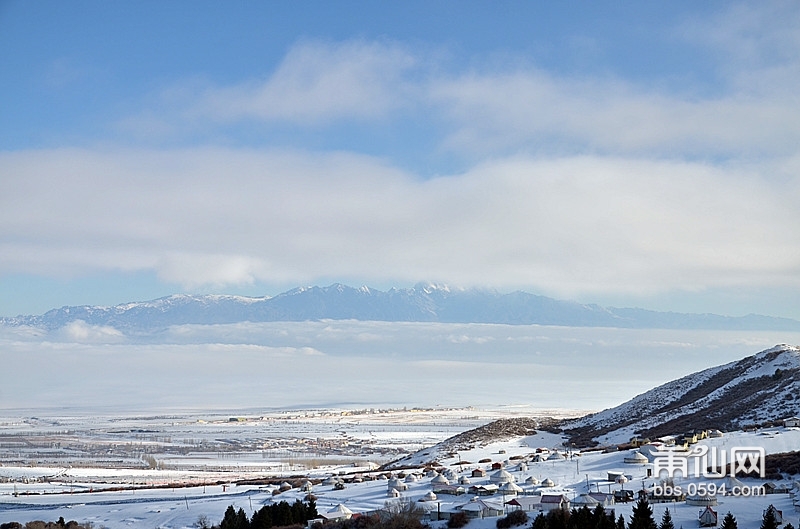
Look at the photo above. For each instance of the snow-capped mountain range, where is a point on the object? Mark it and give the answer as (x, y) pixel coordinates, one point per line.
(755, 390)
(424, 302)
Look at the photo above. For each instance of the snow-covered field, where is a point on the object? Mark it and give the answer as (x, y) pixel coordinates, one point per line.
(316, 443)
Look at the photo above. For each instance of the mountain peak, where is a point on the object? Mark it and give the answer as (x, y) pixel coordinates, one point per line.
(425, 302)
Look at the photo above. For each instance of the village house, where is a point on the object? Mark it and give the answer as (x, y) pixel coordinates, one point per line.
(708, 517)
(551, 502)
(791, 422)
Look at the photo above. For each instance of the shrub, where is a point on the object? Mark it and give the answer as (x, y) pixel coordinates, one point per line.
(513, 519)
(457, 520)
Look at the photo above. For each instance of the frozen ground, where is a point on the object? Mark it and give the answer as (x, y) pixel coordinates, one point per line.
(32, 490)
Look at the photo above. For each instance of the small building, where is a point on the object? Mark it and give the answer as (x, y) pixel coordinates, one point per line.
(479, 508)
(777, 513)
(478, 473)
(708, 517)
(623, 496)
(636, 458)
(525, 503)
(791, 422)
(606, 500)
(453, 490)
(551, 502)
(488, 489)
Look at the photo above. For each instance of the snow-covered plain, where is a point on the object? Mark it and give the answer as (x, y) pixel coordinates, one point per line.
(41, 492)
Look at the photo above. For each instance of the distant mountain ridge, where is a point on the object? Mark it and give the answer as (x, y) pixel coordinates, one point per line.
(755, 390)
(424, 302)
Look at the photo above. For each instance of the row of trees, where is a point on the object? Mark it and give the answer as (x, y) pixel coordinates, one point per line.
(275, 515)
(641, 518)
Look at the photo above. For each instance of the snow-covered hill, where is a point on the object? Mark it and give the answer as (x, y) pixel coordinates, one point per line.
(758, 389)
(424, 302)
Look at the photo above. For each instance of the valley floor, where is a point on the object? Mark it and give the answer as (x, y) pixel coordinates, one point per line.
(110, 490)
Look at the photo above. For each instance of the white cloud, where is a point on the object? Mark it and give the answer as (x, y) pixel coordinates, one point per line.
(81, 332)
(633, 211)
(317, 82)
(567, 225)
(247, 365)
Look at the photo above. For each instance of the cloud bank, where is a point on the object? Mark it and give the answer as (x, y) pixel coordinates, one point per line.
(562, 183)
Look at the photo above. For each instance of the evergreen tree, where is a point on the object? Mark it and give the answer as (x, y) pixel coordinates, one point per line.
(558, 519)
(666, 521)
(601, 520)
(620, 522)
(580, 518)
(642, 517)
(769, 521)
(262, 519)
(788, 526)
(729, 522)
(234, 520)
(540, 522)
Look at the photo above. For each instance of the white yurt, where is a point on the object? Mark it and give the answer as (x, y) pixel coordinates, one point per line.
(510, 488)
(411, 478)
(585, 499)
(501, 476)
(531, 481)
(395, 483)
(430, 496)
(340, 512)
(440, 480)
(464, 480)
(702, 500)
(548, 483)
(555, 456)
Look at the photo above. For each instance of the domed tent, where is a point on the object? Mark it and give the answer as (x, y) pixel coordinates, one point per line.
(585, 499)
(531, 481)
(502, 476)
(555, 456)
(548, 483)
(702, 500)
(440, 480)
(395, 483)
(430, 496)
(510, 488)
(340, 512)
(411, 478)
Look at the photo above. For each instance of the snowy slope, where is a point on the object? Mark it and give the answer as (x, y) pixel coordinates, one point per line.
(760, 388)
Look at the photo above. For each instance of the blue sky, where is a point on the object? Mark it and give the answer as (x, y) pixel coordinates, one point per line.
(629, 154)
